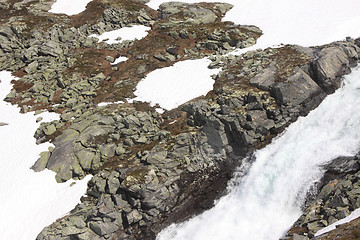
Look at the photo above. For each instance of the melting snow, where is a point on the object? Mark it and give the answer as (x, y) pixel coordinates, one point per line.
(119, 60)
(107, 103)
(69, 7)
(29, 201)
(127, 33)
(355, 214)
(172, 86)
(305, 22)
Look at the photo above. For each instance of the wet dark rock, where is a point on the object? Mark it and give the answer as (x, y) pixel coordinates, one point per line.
(343, 165)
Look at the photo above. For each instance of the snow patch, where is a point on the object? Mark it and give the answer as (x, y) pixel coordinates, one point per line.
(119, 60)
(172, 86)
(305, 22)
(355, 214)
(127, 33)
(69, 7)
(108, 103)
(29, 201)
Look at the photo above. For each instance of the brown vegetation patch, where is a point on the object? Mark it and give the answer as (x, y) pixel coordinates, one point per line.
(226, 84)
(91, 15)
(58, 132)
(21, 86)
(20, 73)
(128, 159)
(123, 81)
(287, 58)
(30, 21)
(90, 61)
(95, 9)
(177, 122)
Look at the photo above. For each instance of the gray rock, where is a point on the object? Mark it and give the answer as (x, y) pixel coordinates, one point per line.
(110, 59)
(299, 237)
(156, 157)
(332, 63)
(88, 235)
(216, 135)
(107, 150)
(160, 57)
(89, 136)
(298, 88)
(50, 129)
(134, 216)
(62, 158)
(101, 228)
(343, 165)
(85, 158)
(41, 163)
(264, 79)
(192, 14)
(113, 182)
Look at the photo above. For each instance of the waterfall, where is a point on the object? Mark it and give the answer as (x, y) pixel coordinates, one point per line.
(266, 202)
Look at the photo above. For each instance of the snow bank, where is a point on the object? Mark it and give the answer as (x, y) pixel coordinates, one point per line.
(355, 214)
(126, 33)
(69, 7)
(305, 22)
(172, 86)
(29, 201)
(108, 103)
(119, 60)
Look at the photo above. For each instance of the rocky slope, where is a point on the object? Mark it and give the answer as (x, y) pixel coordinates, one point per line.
(337, 195)
(153, 169)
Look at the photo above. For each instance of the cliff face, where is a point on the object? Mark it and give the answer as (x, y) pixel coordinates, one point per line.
(153, 169)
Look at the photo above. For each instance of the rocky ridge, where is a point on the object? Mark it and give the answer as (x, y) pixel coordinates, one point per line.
(151, 169)
(337, 195)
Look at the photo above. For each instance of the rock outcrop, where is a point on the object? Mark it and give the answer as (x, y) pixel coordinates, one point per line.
(338, 195)
(152, 169)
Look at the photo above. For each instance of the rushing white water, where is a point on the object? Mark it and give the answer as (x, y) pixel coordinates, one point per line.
(265, 203)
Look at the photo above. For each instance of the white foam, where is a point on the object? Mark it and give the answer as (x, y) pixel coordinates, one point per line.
(29, 201)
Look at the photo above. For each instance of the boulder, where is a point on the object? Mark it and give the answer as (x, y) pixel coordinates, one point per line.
(85, 158)
(41, 163)
(343, 165)
(216, 135)
(296, 89)
(62, 158)
(193, 14)
(332, 63)
(265, 79)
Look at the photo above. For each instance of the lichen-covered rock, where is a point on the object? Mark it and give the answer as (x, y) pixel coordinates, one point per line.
(296, 89)
(334, 62)
(339, 195)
